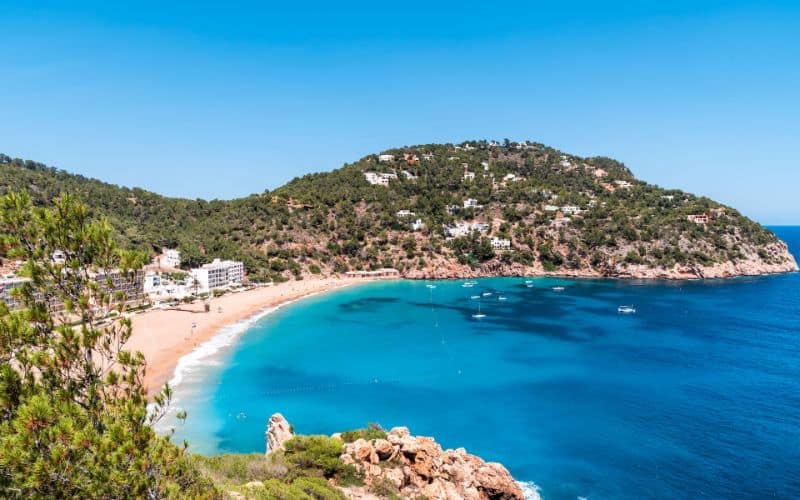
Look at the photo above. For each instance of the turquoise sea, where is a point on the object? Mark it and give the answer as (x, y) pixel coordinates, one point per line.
(697, 395)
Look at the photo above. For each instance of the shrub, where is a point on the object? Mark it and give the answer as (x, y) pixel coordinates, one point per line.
(372, 431)
(315, 453)
(317, 488)
(384, 488)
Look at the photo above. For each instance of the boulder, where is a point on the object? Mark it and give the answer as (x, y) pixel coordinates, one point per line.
(384, 449)
(278, 432)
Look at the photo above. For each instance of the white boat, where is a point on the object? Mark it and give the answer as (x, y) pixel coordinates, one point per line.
(500, 297)
(431, 286)
(558, 288)
(467, 285)
(478, 315)
(475, 297)
(486, 294)
(529, 285)
(626, 310)
(528, 282)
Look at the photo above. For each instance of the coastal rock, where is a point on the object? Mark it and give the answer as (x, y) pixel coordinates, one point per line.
(278, 432)
(771, 258)
(417, 466)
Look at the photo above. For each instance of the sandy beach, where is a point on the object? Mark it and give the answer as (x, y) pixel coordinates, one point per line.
(165, 335)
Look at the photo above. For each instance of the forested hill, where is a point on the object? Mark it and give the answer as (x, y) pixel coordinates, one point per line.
(433, 211)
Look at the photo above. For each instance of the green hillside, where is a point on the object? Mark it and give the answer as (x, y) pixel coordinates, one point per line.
(337, 221)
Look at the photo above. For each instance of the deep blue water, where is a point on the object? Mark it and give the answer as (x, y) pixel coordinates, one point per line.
(695, 396)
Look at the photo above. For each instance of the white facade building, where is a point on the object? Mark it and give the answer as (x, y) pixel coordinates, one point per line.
(550, 208)
(404, 213)
(385, 158)
(417, 225)
(571, 209)
(171, 257)
(500, 243)
(217, 274)
(471, 203)
(379, 179)
(465, 228)
(469, 176)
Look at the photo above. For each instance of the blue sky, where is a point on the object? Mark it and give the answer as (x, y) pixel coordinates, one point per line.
(226, 99)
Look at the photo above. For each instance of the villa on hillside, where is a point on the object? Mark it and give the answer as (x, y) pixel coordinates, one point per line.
(500, 243)
(471, 203)
(698, 218)
(411, 159)
(417, 225)
(404, 213)
(623, 184)
(379, 179)
(385, 158)
(469, 176)
(571, 209)
(460, 229)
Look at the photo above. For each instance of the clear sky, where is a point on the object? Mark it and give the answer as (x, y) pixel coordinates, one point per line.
(230, 98)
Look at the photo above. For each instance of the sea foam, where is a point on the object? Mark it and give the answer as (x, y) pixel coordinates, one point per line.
(530, 489)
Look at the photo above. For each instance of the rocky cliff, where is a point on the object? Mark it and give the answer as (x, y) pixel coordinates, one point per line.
(395, 463)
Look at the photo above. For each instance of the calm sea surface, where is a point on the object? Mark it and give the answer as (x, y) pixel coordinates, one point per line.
(697, 395)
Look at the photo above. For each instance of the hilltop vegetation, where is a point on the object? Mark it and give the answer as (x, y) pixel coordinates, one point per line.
(560, 213)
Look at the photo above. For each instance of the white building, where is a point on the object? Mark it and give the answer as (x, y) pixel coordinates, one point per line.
(217, 274)
(170, 258)
(469, 176)
(623, 184)
(465, 228)
(379, 179)
(408, 175)
(571, 209)
(471, 203)
(551, 208)
(427, 156)
(500, 243)
(417, 225)
(384, 158)
(404, 213)
(485, 165)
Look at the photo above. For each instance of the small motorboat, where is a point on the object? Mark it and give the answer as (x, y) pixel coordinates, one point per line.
(474, 297)
(558, 288)
(500, 297)
(467, 285)
(431, 286)
(626, 310)
(486, 294)
(478, 316)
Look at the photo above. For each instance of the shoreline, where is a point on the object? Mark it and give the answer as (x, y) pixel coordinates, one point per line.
(167, 336)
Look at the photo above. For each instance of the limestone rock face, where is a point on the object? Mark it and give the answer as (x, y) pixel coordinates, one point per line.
(278, 432)
(417, 466)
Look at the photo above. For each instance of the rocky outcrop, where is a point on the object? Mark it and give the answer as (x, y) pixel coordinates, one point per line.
(418, 467)
(774, 258)
(278, 432)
